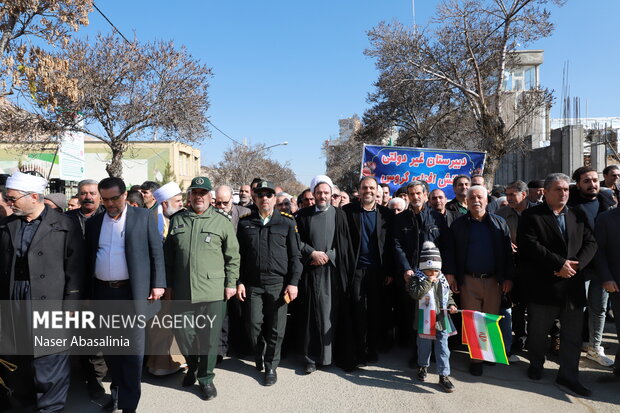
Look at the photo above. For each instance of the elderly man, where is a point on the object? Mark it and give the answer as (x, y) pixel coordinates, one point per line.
(370, 229)
(328, 262)
(335, 196)
(245, 198)
(232, 325)
(555, 244)
(202, 267)
(397, 205)
(160, 362)
(492, 203)
(535, 191)
(460, 185)
(41, 259)
(90, 202)
(484, 263)
(587, 197)
(608, 265)
(270, 271)
(125, 263)
(611, 175)
(224, 204)
(283, 202)
(170, 197)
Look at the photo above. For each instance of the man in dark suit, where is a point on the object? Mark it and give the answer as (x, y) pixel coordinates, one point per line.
(608, 264)
(370, 229)
(555, 244)
(41, 261)
(125, 262)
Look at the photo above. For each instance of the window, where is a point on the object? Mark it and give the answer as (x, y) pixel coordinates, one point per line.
(520, 78)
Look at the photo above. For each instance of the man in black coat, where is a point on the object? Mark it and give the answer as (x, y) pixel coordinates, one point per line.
(41, 261)
(125, 261)
(555, 244)
(370, 229)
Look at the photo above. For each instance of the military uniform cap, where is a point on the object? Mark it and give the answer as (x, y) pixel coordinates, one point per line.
(262, 185)
(201, 182)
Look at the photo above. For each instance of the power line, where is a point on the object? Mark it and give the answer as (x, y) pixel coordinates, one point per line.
(128, 42)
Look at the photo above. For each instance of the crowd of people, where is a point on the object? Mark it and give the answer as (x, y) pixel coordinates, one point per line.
(337, 277)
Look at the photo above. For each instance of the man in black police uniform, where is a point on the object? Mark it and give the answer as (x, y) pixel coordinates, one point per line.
(270, 271)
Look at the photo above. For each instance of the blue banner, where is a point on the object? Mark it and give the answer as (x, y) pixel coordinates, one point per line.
(397, 166)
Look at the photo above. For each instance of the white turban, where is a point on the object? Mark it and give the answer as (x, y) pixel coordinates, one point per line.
(321, 179)
(167, 191)
(26, 183)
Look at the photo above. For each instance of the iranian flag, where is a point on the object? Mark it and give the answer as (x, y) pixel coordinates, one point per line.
(483, 336)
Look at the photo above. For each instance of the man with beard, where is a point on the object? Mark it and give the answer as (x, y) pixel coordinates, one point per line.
(328, 262)
(41, 261)
(370, 229)
(535, 191)
(160, 362)
(611, 175)
(587, 197)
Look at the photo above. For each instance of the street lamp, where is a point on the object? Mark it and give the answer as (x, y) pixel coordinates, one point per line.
(277, 144)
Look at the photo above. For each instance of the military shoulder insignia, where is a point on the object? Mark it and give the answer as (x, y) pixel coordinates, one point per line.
(286, 214)
(245, 215)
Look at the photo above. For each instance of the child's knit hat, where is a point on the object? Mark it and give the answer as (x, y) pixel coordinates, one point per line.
(430, 258)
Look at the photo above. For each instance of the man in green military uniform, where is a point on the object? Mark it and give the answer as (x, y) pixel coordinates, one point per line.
(270, 271)
(202, 268)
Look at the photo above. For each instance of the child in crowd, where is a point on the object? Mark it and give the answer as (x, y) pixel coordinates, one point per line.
(429, 286)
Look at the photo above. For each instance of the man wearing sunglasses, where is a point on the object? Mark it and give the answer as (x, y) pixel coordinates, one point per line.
(224, 204)
(270, 271)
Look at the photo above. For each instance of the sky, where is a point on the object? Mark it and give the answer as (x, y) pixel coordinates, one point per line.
(289, 70)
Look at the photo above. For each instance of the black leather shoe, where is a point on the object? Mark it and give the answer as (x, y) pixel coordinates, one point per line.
(534, 373)
(111, 406)
(475, 369)
(129, 410)
(209, 392)
(270, 377)
(372, 357)
(616, 372)
(189, 379)
(310, 368)
(574, 386)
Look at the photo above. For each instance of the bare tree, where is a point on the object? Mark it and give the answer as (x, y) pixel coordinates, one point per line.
(242, 163)
(137, 90)
(343, 160)
(443, 85)
(32, 78)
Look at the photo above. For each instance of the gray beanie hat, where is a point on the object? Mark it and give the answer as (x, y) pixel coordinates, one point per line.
(60, 200)
(430, 258)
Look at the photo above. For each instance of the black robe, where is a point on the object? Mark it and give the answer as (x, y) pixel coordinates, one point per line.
(343, 350)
